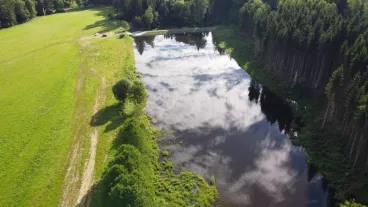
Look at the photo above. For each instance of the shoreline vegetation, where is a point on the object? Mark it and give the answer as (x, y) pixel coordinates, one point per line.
(182, 31)
(138, 173)
(325, 147)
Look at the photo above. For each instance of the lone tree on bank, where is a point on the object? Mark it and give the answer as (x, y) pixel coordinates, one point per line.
(121, 89)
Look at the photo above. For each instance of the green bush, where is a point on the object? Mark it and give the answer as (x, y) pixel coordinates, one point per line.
(21, 12)
(59, 5)
(351, 204)
(125, 25)
(30, 5)
(129, 107)
(138, 93)
(49, 11)
(110, 16)
(60, 11)
(121, 89)
(137, 22)
(213, 180)
(130, 178)
(165, 153)
(7, 15)
(68, 4)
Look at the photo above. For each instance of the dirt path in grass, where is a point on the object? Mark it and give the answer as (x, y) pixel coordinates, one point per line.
(87, 180)
(79, 179)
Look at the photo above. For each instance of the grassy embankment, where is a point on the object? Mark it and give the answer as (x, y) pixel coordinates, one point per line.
(325, 148)
(55, 75)
(177, 31)
(130, 149)
(135, 171)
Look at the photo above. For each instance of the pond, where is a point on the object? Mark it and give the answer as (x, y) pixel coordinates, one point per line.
(225, 124)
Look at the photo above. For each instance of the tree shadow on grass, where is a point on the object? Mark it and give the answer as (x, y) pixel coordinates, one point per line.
(105, 24)
(96, 195)
(110, 114)
(100, 8)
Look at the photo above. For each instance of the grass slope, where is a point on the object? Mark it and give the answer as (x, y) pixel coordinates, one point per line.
(39, 64)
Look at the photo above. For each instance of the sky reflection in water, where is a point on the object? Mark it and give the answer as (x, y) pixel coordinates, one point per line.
(228, 125)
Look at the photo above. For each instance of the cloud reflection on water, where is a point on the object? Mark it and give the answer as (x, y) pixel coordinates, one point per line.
(227, 125)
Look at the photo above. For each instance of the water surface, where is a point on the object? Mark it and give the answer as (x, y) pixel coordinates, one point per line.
(226, 124)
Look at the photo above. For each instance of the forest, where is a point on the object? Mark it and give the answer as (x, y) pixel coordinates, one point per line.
(14, 12)
(322, 45)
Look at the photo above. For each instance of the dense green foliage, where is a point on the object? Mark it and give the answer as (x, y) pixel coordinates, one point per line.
(130, 177)
(14, 12)
(321, 45)
(136, 177)
(148, 13)
(154, 13)
(351, 204)
(121, 89)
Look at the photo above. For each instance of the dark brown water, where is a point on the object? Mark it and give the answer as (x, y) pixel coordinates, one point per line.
(227, 124)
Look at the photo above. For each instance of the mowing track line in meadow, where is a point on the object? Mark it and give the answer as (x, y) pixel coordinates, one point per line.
(36, 50)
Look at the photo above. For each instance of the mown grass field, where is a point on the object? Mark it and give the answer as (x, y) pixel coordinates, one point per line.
(46, 99)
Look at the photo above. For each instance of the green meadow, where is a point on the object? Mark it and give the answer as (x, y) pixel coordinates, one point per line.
(47, 100)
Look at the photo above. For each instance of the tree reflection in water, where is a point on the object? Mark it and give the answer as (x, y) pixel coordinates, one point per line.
(195, 39)
(274, 108)
(140, 42)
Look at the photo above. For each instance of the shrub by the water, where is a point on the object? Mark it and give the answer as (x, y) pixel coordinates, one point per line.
(213, 180)
(351, 204)
(138, 93)
(130, 179)
(125, 25)
(121, 89)
(165, 153)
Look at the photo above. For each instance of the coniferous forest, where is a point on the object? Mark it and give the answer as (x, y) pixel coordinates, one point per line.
(322, 45)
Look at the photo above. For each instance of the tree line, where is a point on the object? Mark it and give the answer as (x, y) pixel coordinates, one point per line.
(323, 45)
(14, 12)
(152, 13)
(148, 14)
